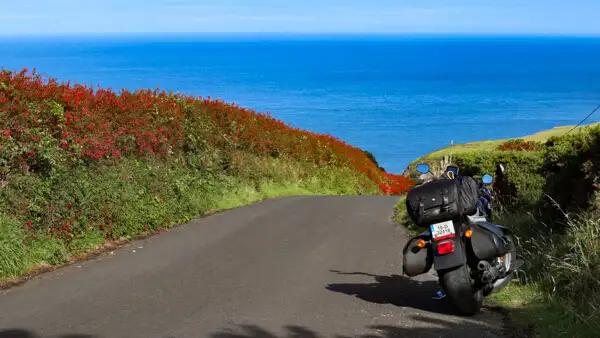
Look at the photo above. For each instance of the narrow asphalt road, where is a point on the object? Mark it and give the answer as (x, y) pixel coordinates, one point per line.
(290, 267)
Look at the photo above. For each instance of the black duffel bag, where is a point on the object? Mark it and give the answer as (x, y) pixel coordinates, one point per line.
(442, 200)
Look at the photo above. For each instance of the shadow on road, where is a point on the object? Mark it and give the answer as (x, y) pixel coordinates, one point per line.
(420, 326)
(20, 333)
(428, 328)
(396, 290)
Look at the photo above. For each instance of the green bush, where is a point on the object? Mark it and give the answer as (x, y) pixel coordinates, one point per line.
(522, 183)
(371, 157)
(551, 200)
(572, 167)
(559, 234)
(80, 165)
(75, 210)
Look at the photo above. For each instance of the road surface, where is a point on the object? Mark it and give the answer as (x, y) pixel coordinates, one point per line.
(289, 267)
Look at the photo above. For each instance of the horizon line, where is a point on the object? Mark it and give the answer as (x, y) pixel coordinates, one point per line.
(304, 34)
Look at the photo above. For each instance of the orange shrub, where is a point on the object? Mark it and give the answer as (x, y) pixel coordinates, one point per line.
(519, 145)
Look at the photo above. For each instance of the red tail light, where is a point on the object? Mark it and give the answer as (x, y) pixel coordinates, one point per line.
(445, 247)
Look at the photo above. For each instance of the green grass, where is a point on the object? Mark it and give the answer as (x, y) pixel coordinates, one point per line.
(458, 149)
(557, 293)
(530, 307)
(401, 217)
(489, 145)
(13, 254)
(83, 168)
(143, 196)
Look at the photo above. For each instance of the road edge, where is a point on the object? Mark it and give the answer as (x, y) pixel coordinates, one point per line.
(111, 245)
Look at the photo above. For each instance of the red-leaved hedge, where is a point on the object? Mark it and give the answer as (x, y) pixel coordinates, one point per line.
(97, 123)
(519, 145)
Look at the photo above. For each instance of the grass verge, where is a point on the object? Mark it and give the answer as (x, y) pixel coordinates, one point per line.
(549, 195)
(83, 167)
(555, 295)
(490, 145)
(139, 198)
(529, 308)
(401, 217)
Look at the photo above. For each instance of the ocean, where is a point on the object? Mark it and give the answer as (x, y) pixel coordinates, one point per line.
(396, 96)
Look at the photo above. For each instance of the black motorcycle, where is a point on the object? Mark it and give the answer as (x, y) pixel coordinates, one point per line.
(472, 257)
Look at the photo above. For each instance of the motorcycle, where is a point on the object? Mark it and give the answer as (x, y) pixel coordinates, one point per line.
(473, 257)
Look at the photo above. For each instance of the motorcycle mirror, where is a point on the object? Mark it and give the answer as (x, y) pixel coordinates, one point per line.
(487, 179)
(423, 168)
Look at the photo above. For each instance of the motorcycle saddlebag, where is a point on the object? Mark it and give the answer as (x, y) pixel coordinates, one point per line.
(416, 261)
(442, 200)
(488, 241)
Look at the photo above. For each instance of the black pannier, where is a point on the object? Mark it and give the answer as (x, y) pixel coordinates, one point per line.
(442, 200)
(416, 261)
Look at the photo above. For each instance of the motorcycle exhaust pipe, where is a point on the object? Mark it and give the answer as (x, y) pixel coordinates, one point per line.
(490, 275)
(483, 266)
(489, 272)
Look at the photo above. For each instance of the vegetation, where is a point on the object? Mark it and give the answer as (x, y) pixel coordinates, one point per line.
(401, 217)
(519, 145)
(371, 157)
(549, 196)
(81, 166)
(535, 140)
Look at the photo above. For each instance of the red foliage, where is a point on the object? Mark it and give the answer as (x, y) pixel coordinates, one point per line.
(519, 145)
(100, 123)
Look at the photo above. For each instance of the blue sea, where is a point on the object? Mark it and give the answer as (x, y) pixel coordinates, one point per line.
(396, 96)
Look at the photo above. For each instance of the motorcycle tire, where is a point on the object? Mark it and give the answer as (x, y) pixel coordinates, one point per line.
(459, 289)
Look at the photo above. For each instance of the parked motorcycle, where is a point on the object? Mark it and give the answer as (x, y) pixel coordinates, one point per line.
(472, 257)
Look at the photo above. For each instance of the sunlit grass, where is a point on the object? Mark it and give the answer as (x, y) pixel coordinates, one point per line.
(489, 145)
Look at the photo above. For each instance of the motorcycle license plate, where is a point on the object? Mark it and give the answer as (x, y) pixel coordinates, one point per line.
(443, 230)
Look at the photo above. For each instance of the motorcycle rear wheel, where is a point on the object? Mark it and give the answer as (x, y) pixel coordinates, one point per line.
(459, 289)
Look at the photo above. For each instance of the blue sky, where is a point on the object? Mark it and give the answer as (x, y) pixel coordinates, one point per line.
(305, 16)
